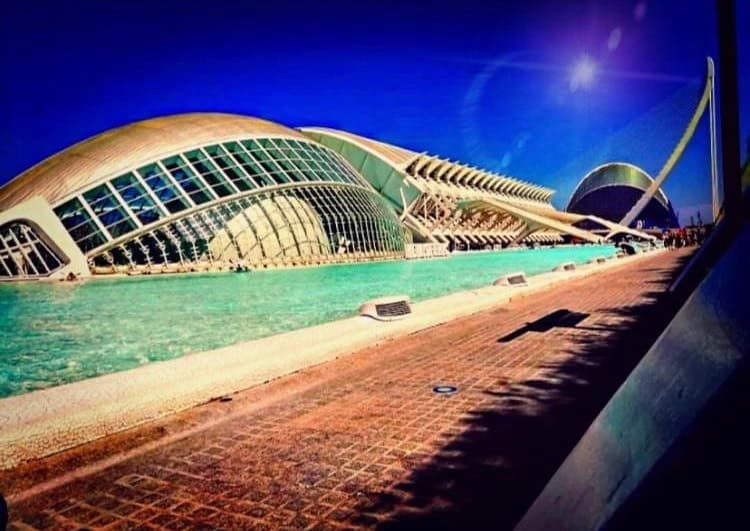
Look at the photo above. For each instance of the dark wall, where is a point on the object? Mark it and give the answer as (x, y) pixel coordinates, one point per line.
(613, 202)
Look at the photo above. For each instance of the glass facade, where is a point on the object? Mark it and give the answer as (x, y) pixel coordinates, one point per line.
(135, 196)
(237, 210)
(80, 224)
(109, 210)
(23, 254)
(291, 225)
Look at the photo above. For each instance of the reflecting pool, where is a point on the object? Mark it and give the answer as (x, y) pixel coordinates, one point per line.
(55, 333)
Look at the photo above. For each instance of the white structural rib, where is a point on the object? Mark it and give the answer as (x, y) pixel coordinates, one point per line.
(533, 221)
(540, 218)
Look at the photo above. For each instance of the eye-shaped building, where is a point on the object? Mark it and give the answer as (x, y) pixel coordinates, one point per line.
(192, 192)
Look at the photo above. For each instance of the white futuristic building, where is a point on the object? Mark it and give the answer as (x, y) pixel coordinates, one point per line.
(187, 193)
(208, 191)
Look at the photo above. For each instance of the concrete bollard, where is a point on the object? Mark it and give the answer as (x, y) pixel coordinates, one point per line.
(388, 308)
(517, 279)
(566, 266)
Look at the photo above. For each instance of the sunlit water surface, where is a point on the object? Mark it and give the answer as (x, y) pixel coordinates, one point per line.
(55, 333)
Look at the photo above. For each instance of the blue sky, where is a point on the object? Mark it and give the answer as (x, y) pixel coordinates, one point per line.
(485, 83)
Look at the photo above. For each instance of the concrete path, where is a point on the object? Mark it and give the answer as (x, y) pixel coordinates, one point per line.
(47, 421)
(364, 440)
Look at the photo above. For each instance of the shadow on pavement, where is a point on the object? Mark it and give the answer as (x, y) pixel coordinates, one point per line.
(558, 318)
(486, 477)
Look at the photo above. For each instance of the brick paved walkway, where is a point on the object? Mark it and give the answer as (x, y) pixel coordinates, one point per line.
(364, 441)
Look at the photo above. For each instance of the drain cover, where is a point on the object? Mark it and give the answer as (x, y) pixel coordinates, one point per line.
(444, 389)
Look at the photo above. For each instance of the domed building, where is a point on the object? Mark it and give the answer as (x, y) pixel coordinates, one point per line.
(610, 191)
(211, 192)
(191, 192)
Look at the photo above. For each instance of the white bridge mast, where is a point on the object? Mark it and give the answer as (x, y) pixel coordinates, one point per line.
(715, 205)
(706, 100)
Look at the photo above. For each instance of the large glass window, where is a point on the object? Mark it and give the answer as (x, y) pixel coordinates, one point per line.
(251, 166)
(325, 171)
(137, 198)
(300, 151)
(311, 163)
(187, 179)
(298, 156)
(334, 165)
(231, 167)
(257, 150)
(171, 197)
(287, 147)
(79, 225)
(109, 211)
(210, 174)
(275, 149)
(340, 167)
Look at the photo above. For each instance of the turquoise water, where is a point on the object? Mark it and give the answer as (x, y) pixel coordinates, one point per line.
(52, 334)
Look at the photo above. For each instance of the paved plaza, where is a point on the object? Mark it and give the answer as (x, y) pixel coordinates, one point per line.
(364, 441)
